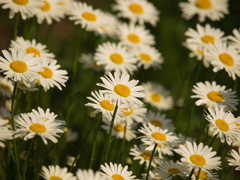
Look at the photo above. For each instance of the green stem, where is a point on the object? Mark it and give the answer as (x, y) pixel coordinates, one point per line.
(212, 140)
(149, 166)
(95, 141)
(235, 85)
(110, 131)
(214, 76)
(35, 173)
(38, 97)
(197, 177)
(123, 142)
(26, 160)
(16, 25)
(190, 175)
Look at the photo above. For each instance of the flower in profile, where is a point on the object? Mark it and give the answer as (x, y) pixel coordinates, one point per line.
(27, 8)
(31, 125)
(89, 63)
(140, 11)
(20, 66)
(122, 90)
(116, 171)
(213, 94)
(31, 87)
(90, 175)
(134, 113)
(6, 87)
(223, 56)
(166, 150)
(32, 47)
(115, 57)
(198, 157)
(212, 9)
(56, 173)
(235, 40)
(52, 75)
(5, 132)
(235, 160)
(206, 176)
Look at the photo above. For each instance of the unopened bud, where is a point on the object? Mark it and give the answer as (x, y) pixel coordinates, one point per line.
(92, 116)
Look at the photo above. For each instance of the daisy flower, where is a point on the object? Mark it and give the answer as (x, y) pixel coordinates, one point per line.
(122, 90)
(5, 133)
(153, 134)
(55, 172)
(159, 120)
(139, 153)
(235, 40)
(213, 94)
(204, 176)
(24, 88)
(52, 75)
(31, 125)
(223, 56)
(115, 57)
(89, 63)
(223, 123)
(6, 115)
(89, 175)
(20, 66)
(50, 11)
(134, 113)
(155, 175)
(84, 14)
(166, 150)
(147, 57)
(27, 8)
(198, 156)
(32, 47)
(65, 5)
(137, 11)
(212, 9)
(235, 160)
(134, 35)
(116, 171)
(157, 96)
(6, 87)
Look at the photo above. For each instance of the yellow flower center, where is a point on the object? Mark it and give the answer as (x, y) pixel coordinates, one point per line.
(38, 82)
(159, 146)
(117, 177)
(156, 123)
(226, 59)
(47, 73)
(116, 58)
(55, 178)
(122, 90)
(33, 50)
(18, 66)
(199, 51)
(119, 127)
(222, 125)
(159, 136)
(237, 125)
(145, 57)
(204, 4)
(21, 2)
(89, 16)
(136, 8)
(156, 97)
(9, 120)
(198, 160)
(38, 127)
(6, 87)
(127, 112)
(158, 179)
(215, 96)
(202, 176)
(46, 6)
(133, 38)
(174, 170)
(208, 39)
(107, 105)
(146, 155)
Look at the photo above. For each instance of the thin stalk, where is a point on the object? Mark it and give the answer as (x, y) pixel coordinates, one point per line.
(110, 131)
(190, 175)
(16, 25)
(212, 140)
(149, 166)
(214, 76)
(235, 85)
(26, 160)
(35, 173)
(95, 141)
(38, 97)
(227, 174)
(123, 142)
(198, 174)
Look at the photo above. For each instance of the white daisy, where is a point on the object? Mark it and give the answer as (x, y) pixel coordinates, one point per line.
(166, 150)
(198, 156)
(6, 115)
(32, 47)
(27, 8)
(204, 176)
(89, 175)
(213, 9)
(32, 125)
(5, 132)
(134, 35)
(20, 66)
(89, 63)
(235, 160)
(148, 56)
(153, 134)
(24, 88)
(235, 40)
(159, 120)
(134, 113)
(223, 56)
(116, 172)
(115, 57)
(50, 11)
(52, 75)
(6, 87)
(223, 123)
(213, 94)
(122, 90)
(56, 173)
(157, 96)
(137, 11)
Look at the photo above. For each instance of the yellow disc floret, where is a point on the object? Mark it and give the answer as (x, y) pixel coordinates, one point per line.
(133, 38)
(33, 50)
(116, 58)
(21, 2)
(199, 160)
(156, 123)
(18, 66)
(208, 39)
(174, 170)
(38, 128)
(226, 59)
(6, 87)
(222, 125)
(117, 177)
(119, 127)
(107, 105)
(146, 155)
(55, 178)
(204, 4)
(122, 90)
(159, 136)
(47, 73)
(155, 97)
(145, 57)
(136, 8)
(46, 6)
(215, 96)
(89, 16)
(202, 176)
